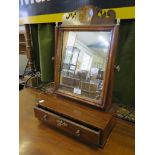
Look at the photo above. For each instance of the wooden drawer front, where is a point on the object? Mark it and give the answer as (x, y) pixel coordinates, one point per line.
(70, 127)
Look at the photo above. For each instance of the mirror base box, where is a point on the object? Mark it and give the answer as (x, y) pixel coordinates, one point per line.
(88, 125)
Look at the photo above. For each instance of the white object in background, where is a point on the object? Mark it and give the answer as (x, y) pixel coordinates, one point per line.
(94, 71)
(77, 91)
(41, 101)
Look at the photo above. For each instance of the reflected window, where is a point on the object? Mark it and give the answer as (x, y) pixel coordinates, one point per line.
(86, 62)
(75, 57)
(68, 55)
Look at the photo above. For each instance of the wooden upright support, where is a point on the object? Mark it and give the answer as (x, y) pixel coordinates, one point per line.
(29, 46)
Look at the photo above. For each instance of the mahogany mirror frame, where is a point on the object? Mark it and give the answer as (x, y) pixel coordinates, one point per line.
(107, 86)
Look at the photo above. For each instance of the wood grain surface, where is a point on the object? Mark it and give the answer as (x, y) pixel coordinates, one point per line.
(37, 138)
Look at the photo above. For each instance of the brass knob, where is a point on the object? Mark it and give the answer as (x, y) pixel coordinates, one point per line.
(78, 132)
(117, 67)
(45, 117)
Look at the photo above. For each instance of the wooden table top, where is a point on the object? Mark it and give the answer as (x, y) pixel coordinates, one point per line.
(37, 138)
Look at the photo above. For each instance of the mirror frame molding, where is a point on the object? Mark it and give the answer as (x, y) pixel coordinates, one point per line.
(106, 94)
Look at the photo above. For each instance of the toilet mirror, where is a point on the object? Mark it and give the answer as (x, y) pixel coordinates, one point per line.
(84, 57)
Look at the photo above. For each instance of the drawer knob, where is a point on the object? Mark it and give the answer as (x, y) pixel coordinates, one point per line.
(45, 117)
(78, 132)
(61, 123)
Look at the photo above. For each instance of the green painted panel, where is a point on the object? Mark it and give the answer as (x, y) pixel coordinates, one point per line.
(124, 81)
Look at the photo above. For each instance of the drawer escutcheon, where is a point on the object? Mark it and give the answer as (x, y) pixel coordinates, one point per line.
(61, 123)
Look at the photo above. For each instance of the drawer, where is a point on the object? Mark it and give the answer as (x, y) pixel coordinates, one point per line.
(73, 128)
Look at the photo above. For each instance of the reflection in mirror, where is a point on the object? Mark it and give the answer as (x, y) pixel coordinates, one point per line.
(84, 60)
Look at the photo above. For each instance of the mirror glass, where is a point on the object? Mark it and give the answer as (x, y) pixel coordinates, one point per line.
(84, 61)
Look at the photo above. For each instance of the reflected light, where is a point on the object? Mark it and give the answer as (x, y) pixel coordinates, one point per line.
(24, 14)
(23, 146)
(104, 41)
